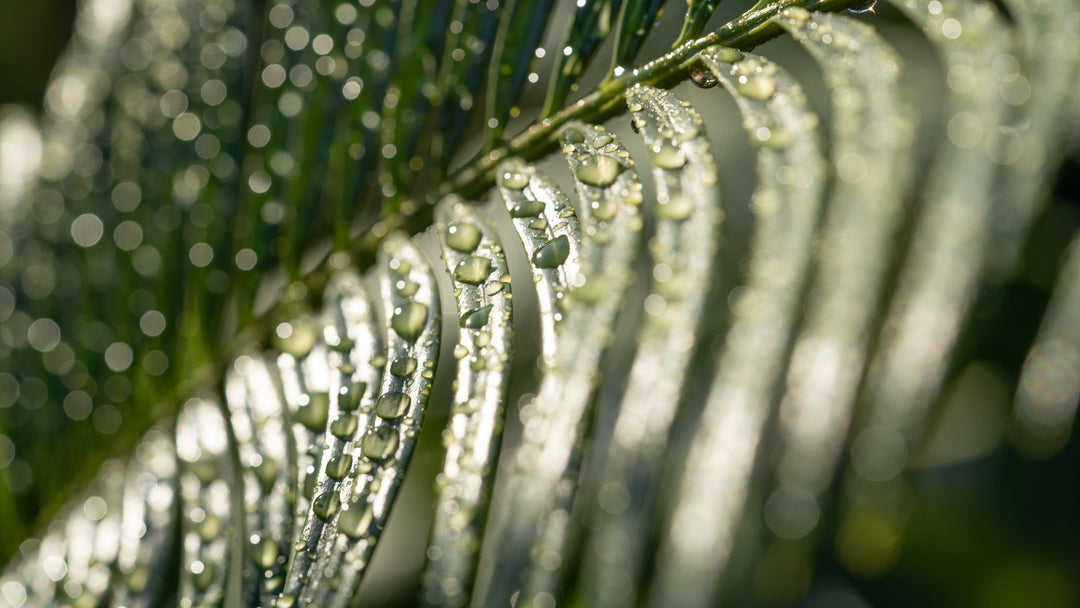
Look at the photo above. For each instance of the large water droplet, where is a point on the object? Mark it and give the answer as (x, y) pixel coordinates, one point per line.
(552, 253)
(599, 170)
(476, 319)
(315, 414)
(266, 472)
(403, 366)
(209, 528)
(392, 405)
(667, 156)
(513, 178)
(702, 77)
(202, 574)
(355, 521)
(264, 553)
(338, 467)
(725, 54)
(326, 504)
(527, 209)
(677, 208)
(344, 426)
(603, 209)
(300, 337)
(379, 443)
(473, 270)
(756, 86)
(408, 320)
(351, 399)
(463, 237)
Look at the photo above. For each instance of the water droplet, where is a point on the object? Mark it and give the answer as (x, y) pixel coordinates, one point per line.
(392, 405)
(726, 54)
(573, 136)
(866, 6)
(527, 209)
(326, 504)
(351, 399)
(408, 320)
(286, 600)
(476, 319)
(403, 366)
(591, 291)
(463, 237)
(702, 77)
(552, 253)
(297, 337)
(677, 208)
(355, 521)
(460, 351)
(634, 107)
(204, 469)
(494, 287)
(209, 528)
(408, 288)
(667, 156)
(604, 209)
(599, 170)
(202, 574)
(315, 414)
(266, 472)
(513, 178)
(379, 443)
(473, 270)
(538, 224)
(756, 86)
(344, 426)
(264, 552)
(338, 466)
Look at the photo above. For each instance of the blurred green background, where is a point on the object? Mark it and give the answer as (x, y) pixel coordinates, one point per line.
(32, 34)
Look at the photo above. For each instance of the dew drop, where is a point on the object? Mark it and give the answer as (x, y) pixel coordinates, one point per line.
(326, 504)
(667, 156)
(539, 224)
(408, 320)
(599, 170)
(604, 209)
(677, 208)
(351, 399)
(403, 366)
(344, 426)
(379, 443)
(315, 414)
(702, 77)
(460, 351)
(514, 179)
(552, 253)
(338, 467)
(202, 575)
(726, 54)
(476, 319)
(866, 6)
(355, 521)
(463, 237)
(392, 405)
(264, 553)
(527, 209)
(209, 528)
(473, 270)
(266, 472)
(756, 86)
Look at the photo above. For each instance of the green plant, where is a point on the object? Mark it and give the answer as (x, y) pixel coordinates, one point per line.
(211, 267)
